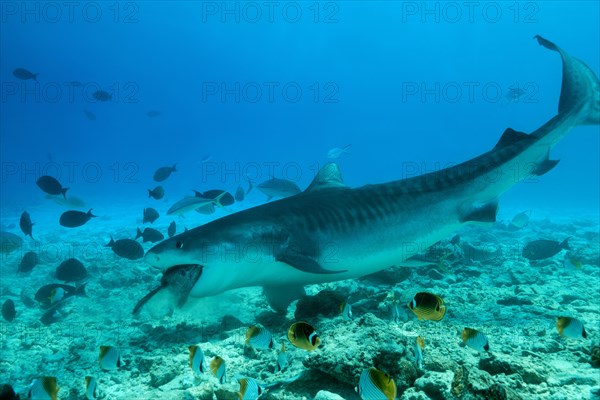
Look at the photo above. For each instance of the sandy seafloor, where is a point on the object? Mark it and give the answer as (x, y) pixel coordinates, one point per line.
(513, 301)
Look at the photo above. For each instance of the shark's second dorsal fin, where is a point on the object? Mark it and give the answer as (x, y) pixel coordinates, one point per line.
(509, 137)
(328, 177)
(545, 165)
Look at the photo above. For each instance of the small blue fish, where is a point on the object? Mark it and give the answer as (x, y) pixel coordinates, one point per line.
(282, 358)
(346, 310)
(570, 327)
(475, 339)
(57, 295)
(570, 262)
(197, 360)
(44, 388)
(249, 389)
(418, 348)
(395, 313)
(172, 229)
(91, 388)
(259, 337)
(217, 367)
(376, 385)
(109, 358)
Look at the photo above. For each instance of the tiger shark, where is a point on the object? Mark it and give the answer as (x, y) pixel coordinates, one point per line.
(331, 232)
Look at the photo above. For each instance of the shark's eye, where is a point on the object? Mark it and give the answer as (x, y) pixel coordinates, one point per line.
(179, 244)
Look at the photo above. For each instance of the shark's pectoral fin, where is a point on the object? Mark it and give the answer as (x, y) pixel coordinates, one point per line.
(280, 297)
(484, 213)
(303, 262)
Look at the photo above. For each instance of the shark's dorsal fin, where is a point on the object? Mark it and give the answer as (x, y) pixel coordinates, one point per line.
(328, 177)
(509, 137)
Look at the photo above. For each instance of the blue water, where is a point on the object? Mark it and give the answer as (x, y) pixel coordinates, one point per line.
(357, 69)
(245, 94)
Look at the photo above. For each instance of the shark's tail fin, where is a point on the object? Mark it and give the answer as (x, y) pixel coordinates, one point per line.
(580, 92)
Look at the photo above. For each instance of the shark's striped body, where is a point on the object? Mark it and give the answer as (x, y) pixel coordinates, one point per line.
(331, 232)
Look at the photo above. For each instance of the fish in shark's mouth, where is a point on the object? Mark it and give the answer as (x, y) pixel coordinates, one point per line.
(179, 280)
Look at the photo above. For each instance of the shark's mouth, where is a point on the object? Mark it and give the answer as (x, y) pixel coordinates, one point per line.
(179, 279)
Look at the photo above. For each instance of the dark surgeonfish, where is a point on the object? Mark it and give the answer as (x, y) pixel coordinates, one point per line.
(51, 186)
(481, 253)
(172, 229)
(276, 187)
(8, 393)
(156, 193)
(179, 280)
(102, 95)
(89, 115)
(9, 242)
(126, 248)
(51, 293)
(206, 209)
(163, 173)
(55, 312)
(26, 300)
(71, 202)
(71, 270)
(150, 215)
(149, 235)
(8, 310)
(24, 74)
(29, 260)
(520, 220)
(542, 249)
(224, 198)
(239, 194)
(73, 219)
(26, 224)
